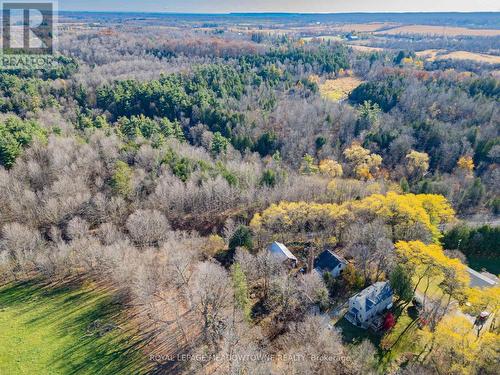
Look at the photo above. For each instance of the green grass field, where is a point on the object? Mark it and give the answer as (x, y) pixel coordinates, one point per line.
(401, 340)
(45, 330)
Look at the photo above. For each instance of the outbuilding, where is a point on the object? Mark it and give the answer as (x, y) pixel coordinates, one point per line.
(281, 252)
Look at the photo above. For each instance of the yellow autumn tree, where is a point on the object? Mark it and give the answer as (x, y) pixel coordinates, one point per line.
(399, 211)
(457, 350)
(299, 218)
(430, 264)
(363, 163)
(483, 299)
(466, 164)
(423, 261)
(455, 345)
(330, 168)
(213, 244)
(407, 61)
(405, 212)
(417, 164)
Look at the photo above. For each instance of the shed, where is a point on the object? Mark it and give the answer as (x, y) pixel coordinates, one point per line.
(281, 252)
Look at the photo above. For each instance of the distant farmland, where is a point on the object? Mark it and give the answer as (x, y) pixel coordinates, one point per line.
(440, 30)
(433, 55)
(364, 27)
(362, 48)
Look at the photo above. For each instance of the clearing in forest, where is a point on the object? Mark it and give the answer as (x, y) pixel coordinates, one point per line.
(338, 89)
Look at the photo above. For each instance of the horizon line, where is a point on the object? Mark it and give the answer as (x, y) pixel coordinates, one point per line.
(280, 13)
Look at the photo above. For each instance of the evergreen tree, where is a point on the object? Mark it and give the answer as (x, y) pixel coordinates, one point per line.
(240, 287)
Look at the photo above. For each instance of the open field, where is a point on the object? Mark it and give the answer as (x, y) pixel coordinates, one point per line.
(479, 57)
(433, 55)
(45, 330)
(428, 54)
(361, 48)
(319, 30)
(323, 38)
(338, 89)
(440, 30)
(364, 27)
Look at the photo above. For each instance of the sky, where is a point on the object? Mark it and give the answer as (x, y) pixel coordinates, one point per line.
(294, 6)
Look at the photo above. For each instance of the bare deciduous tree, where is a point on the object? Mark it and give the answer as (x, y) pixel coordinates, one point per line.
(147, 227)
(20, 244)
(311, 347)
(370, 246)
(211, 291)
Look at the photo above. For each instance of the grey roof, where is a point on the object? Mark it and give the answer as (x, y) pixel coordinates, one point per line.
(281, 251)
(375, 294)
(479, 280)
(328, 260)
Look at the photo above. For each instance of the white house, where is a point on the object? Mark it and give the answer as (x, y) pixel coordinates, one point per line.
(369, 304)
(282, 253)
(330, 262)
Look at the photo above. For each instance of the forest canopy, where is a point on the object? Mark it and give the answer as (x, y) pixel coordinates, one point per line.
(159, 158)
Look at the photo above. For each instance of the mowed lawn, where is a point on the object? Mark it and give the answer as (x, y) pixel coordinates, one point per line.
(52, 330)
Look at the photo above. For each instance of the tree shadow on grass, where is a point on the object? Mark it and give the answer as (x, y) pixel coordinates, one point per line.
(115, 351)
(70, 310)
(354, 335)
(16, 293)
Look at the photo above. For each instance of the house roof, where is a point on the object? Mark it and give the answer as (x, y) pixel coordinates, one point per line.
(281, 251)
(479, 280)
(328, 260)
(374, 294)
